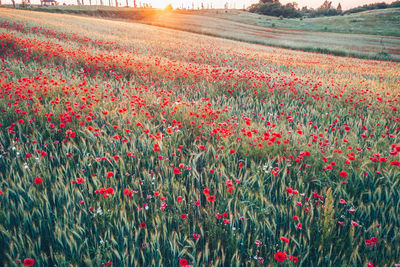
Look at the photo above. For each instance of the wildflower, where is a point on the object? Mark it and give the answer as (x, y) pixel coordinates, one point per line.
(285, 239)
(280, 256)
(183, 262)
(293, 259)
(177, 170)
(29, 262)
(299, 226)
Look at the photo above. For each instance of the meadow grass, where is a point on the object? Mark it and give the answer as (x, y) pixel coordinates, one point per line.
(116, 137)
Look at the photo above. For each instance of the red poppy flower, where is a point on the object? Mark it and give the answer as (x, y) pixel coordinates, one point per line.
(38, 180)
(110, 191)
(29, 262)
(285, 239)
(183, 262)
(293, 259)
(110, 174)
(280, 256)
(343, 174)
(177, 171)
(211, 198)
(79, 180)
(142, 225)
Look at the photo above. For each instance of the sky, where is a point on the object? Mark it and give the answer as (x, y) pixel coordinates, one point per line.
(346, 4)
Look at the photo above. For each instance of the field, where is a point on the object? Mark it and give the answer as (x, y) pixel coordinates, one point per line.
(127, 144)
(385, 22)
(374, 34)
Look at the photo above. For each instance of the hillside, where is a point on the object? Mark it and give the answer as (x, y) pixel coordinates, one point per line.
(375, 22)
(248, 27)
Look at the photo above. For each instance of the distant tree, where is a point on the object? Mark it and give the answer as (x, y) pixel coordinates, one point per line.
(325, 9)
(13, 2)
(275, 8)
(169, 7)
(374, 6)
(339, 7)
(134, 4)
(116, 3)
(326, 5)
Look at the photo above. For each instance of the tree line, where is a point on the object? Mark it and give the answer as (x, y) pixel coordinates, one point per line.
(292, 10)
